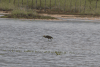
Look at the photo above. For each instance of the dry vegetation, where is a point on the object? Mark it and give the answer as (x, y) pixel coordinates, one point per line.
(29, 8)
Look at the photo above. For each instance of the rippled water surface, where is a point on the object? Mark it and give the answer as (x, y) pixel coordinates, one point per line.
(74, 44)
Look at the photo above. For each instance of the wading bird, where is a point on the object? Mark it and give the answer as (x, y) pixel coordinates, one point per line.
(47, 36)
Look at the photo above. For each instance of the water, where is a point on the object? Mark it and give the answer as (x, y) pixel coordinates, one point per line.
(74, 44)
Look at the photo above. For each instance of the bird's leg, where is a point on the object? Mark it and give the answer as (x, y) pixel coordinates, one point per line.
(50, 40)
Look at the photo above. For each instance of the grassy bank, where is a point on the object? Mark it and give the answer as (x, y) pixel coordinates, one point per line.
(80, 7)
(20, 12)
(28, 14)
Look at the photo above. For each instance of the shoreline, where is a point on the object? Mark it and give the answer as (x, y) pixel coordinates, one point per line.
(71, 17)
(59, 17)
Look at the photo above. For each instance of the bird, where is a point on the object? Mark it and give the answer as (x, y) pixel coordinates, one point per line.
(49, 37)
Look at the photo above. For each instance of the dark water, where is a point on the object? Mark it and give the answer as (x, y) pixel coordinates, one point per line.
(74, 44)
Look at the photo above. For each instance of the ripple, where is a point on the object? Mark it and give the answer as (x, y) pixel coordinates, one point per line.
(74, 44)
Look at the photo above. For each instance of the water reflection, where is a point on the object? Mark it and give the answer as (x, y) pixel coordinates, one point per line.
(74, 44)
(1, 15)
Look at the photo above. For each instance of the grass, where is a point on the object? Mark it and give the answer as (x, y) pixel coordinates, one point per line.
(42, 52)
(17, 12)
(79, 7)
(23, 13)
(6, 7)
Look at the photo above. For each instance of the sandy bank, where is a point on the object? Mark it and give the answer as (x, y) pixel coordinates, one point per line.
(71, 17)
